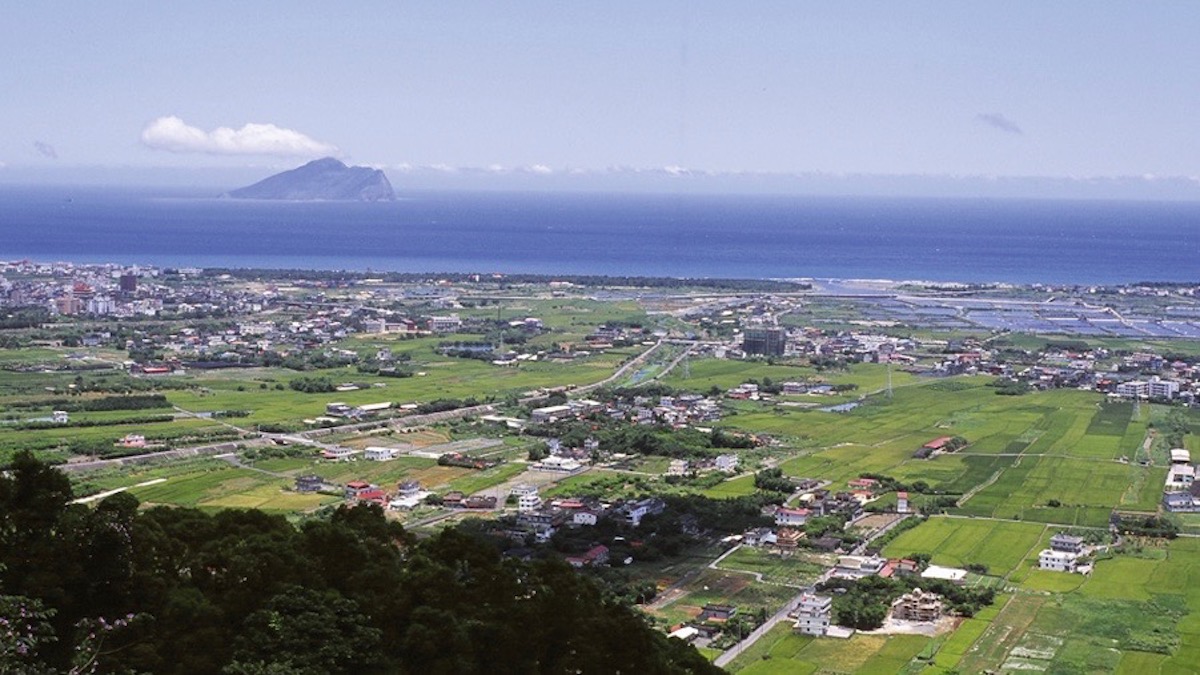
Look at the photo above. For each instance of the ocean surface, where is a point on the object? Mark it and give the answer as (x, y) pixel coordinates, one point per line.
(1022, 241)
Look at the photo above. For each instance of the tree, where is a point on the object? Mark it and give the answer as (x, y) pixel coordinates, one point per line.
(309, 632)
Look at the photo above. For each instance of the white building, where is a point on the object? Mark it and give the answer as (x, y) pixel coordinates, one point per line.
(785, 516)
(445, 324)
(584, 517)
(857, 567)
(557, 465)
(1059, 561)
(951, 574)
(1157, 388)
(380, 454)
(812, 614)
(526, 503)
(1181, 476)
(552, 413)
(901, 502)
(727, 463)
(523, 489)
(1134, 389)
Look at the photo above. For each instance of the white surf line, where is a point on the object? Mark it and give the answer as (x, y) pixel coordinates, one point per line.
(108, 493)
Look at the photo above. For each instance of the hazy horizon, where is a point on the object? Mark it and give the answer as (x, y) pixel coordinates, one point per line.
(1073, 99)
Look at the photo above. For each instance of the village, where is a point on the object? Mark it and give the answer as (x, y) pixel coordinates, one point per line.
(742, 466)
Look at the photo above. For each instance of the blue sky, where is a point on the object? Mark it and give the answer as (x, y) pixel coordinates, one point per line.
(1059, 89)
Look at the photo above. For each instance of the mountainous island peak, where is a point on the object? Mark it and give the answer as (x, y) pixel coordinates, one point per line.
(325, 179)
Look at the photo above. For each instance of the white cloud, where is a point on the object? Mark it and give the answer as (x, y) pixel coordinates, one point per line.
(174, 135)
(540, 168)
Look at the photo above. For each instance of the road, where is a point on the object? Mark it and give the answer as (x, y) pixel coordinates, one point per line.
(181, 453)
(620, 372)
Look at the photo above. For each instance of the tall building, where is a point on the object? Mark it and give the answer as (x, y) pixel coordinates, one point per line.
(812, 614)
(128, 283)
(764, 340)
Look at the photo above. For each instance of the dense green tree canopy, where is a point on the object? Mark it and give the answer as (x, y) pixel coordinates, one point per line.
(245, 592)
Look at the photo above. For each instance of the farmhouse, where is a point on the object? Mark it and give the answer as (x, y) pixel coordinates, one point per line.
(358, 487)
(597, 555)
(857, 567)
(309, 483)
(558, 465)
(785, 516)
(717, 612)
(1058, 561)
(1066, 543)
(380, 454)
(727, 463)
(337, 453)
(408, 488)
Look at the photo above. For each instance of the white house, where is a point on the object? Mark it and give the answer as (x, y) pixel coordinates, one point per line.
(1181, 476)
(526, 503)
(678, 467)
(812, 614)
(785, 516)
(380, 454)
(557, 465)
(727, 463)
(584, 517)
(1059, 561)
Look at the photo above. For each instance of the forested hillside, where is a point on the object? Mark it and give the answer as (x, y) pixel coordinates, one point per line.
(115, 589)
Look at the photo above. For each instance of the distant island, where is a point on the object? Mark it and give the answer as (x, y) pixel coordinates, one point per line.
(324, 179)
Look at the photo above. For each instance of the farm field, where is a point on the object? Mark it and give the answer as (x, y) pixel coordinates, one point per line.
(796, 570)
(1052, 457)
(719, 587)
(956, 542)
(1136, 613)
(782, 652)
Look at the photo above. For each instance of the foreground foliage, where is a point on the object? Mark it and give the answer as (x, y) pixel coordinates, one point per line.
(245, 592)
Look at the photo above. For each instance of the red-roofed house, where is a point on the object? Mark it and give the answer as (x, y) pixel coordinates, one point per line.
(938, 443)
(356, 487)
(597, 555)
(785, 516)
(374, 496)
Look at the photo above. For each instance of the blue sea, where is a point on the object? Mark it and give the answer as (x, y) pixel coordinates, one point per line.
(1022, 241)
